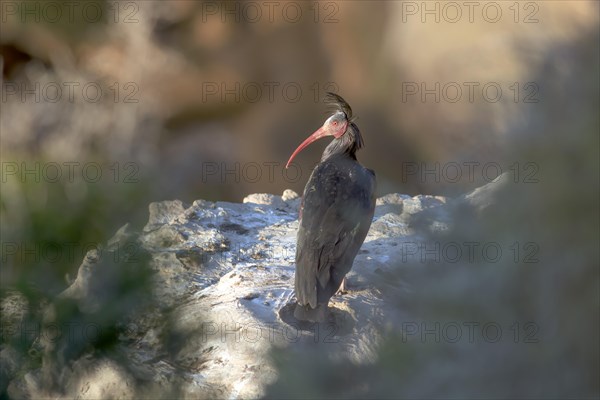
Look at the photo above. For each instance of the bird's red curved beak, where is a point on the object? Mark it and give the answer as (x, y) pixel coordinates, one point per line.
(325, 130)
(319, 133)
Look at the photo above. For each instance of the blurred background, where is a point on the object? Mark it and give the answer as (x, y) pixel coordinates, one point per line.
(107, 106)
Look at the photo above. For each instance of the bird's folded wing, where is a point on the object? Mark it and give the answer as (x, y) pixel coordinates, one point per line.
(336, 216)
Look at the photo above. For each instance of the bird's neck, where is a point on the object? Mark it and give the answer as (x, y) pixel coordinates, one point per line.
(347, 144)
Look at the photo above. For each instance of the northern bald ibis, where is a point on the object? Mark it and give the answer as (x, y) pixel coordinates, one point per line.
(335, 214)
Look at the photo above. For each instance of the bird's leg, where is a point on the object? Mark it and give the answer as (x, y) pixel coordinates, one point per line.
(342, 289)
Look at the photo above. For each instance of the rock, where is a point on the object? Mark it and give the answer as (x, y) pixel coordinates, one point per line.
(483, 197)
(264, 198)
(288, 195)
(160, 212)
(13, 310)
(222, 298)
(10, 360)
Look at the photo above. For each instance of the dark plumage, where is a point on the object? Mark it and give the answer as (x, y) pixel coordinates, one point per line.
(335, 215)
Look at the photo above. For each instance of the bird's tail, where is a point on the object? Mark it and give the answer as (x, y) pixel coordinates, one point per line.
(306, 313)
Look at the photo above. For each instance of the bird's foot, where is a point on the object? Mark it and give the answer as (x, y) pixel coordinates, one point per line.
(305, 313)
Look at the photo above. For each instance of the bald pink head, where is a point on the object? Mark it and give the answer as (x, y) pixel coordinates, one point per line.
(335, 126)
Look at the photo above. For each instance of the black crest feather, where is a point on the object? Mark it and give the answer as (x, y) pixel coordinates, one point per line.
(338, 104)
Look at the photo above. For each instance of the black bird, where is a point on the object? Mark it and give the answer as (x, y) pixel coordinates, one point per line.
(335, 214)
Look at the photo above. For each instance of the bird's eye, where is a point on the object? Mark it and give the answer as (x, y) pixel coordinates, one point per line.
(335, 122)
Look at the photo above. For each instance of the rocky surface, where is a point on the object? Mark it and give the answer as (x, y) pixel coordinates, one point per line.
(222, 287)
